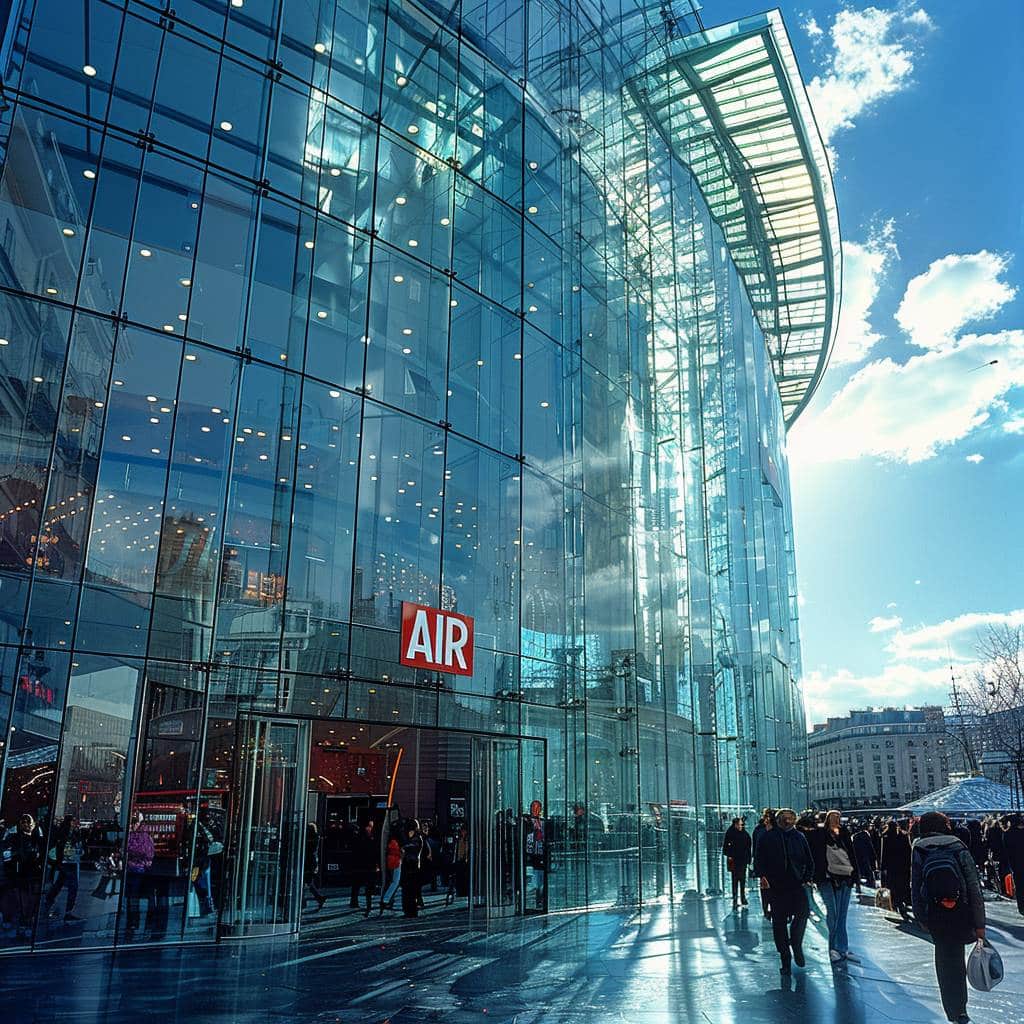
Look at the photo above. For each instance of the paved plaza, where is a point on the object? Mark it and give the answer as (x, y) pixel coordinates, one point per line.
(690, 962)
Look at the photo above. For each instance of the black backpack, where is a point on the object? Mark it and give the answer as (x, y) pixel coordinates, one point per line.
(942, 880)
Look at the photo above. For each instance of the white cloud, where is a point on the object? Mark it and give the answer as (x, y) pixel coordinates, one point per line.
(812, 28)
(951, 293)
(871, 57)
(864, 267)
(836, 693)
(976, 458)
(1014, 425)
(884, 623)
(907, 412)
(891, 604)
(954, 638)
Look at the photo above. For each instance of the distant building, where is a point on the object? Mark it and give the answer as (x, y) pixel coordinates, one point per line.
(881, 758)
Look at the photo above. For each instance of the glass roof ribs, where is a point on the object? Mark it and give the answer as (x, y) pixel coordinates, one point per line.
(729, 101)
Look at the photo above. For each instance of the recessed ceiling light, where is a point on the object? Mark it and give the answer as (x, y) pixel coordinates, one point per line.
(191, 358)
(400, 200)
(89, 70)
(226, 126)
(321, 314)
(413, 129)
(89, 173)
(407, 331)
(401, 81)
(309, 243)
(320, 47)
(335, 172)
(146, 253)
(398, 279)
(68, 232)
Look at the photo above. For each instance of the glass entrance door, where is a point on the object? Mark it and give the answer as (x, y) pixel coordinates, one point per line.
(268, 867)
(496, 827)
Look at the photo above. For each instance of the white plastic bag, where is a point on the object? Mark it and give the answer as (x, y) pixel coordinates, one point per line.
(984, 966)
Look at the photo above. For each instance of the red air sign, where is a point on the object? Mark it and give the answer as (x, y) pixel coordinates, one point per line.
(436, 640)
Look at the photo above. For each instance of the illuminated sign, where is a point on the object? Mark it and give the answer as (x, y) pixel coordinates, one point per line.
(436, 640)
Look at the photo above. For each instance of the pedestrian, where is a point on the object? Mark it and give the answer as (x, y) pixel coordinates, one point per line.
(311, 866)
(895, 861)
(23, 868)
(766, 824)
(393, 865)
(65, 860)
(1013, 842)
(139, 853)
(783, 862)
(835, 873)
(415, 862)
(365, 865)
(946, 892)
(737, 847)
(864, 848)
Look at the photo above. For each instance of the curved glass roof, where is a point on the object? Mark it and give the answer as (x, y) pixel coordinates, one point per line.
(731, 102)
(974, 794)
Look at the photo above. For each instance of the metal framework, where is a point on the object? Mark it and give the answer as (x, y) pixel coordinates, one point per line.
(731, 103)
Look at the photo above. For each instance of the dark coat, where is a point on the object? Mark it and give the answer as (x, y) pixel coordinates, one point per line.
(895, 862)
(960, 927)
(783, 857)
(739, 846)
(1013, 842)
(25, 862)
(867, 859)
(365, 854)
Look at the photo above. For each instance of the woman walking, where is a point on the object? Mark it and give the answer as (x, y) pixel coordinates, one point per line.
(737, 847)
(835, 874)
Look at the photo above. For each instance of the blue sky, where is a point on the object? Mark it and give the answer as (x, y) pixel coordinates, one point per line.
(908, 467)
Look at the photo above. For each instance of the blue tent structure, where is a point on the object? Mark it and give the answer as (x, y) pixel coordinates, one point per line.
(975, 795)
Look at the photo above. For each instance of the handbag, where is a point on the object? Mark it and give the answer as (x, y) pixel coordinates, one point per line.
(984, 966)
(883, 898)
(838, 862)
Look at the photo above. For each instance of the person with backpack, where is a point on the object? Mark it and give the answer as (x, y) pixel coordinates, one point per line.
(947, 900)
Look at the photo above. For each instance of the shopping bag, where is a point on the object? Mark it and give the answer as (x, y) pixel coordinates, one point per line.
(883, 898)
(193, 903)
(1008, 886)
(984, 966)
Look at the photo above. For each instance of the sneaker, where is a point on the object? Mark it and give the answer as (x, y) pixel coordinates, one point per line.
(835, 956)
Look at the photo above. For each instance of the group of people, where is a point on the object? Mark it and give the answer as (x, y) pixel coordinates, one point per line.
(930, 866)
(417, 854)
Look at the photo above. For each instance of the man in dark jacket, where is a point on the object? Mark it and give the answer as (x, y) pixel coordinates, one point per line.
(783, 861)
(365, 865)
(1013, 842)
(736, 847)
(867, 861)
(947, 900)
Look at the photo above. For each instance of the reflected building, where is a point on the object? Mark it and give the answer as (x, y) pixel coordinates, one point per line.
(310, 309)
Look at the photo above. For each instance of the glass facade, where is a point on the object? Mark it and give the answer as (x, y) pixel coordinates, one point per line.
(311, 308)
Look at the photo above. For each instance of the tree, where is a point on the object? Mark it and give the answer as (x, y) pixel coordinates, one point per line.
(995, 696)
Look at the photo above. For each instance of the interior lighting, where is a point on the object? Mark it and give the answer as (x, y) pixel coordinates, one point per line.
(51, 291)
(4, 341)
(308, 243)
(398, 279)
(321, 314)
(406, 351)
(413, 243)
(544, 405)
(182, 317)
(334, 394)
(38, 380)
(533, 165)
(191, 358)
(320, 47)
(335, 172)
(226, 126)
(150, 398)
(89, 173)
(407, 331)
(531, 209)
(400, 200)
(517, 355)
(146, 253)
(169, 328)
(89, 71)
(453, 303)
(68, 232)
(413, 129)
(237, 3)
(401, 81)
(186, 282)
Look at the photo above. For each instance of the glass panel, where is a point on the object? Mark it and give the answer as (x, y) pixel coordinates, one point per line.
(89, 816)
(29, 777)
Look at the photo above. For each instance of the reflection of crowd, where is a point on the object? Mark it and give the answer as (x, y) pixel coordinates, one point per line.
(48, 873)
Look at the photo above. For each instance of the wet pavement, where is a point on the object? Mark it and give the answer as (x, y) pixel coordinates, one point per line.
(691, 962)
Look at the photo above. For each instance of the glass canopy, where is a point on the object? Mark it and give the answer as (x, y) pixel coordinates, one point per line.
(731, 103)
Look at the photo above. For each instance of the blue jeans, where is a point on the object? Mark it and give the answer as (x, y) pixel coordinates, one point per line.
(389, 894)
(837, 905)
